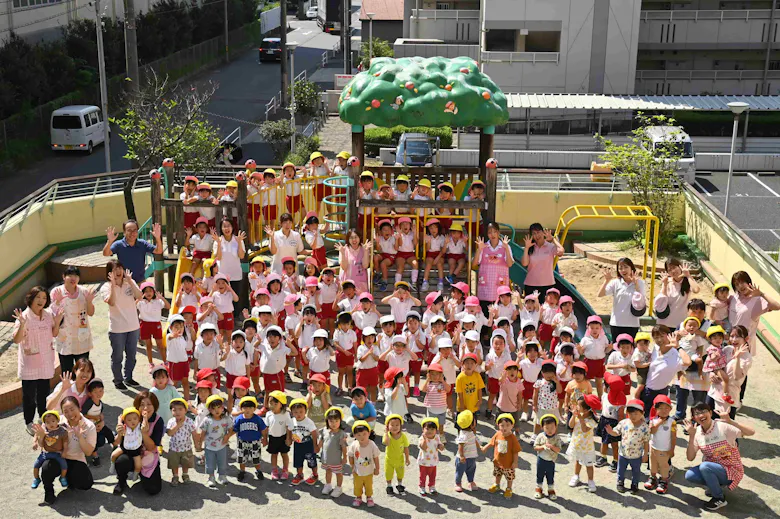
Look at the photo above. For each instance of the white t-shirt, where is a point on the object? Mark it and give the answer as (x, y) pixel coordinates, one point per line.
(436, 244)
(506, 310)
(290, 245)
(621, 301)
(663, 369)
(595, 348)
(530, 369)
(310, 239)
(176, 349)
(607, 409)
(319, 360)
(150, 311)
(400, 308)
(230, 265)
(370, 362)
(306, 340)
(236, 362)
(273, 360)
(328, 293)
(365, 319)
(407, 242)
(412, 344)
(344, 339)
(387, 246)
(533, 317)
(548, 313)
(661, 440)
(395, 405)
(433, 346)
(448, 367)
(205, 244)
(399, 361)
(560, 320)
(123, 315)
(207, 355)
(498, 362)
(617, 358)
(223, 302)
(278, 424)
(301, 430)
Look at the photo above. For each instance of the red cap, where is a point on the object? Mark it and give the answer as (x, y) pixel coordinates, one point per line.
(660, 399)
(204, 383)
(581, 365)
(241, 382)
(204, 373)
(189, 310)
(472, 356)
(510, 364)
(390, 375)
(636, 404)
(318, 377)
(436, 367)
(593, 402)
(288, 259)
(616, 388)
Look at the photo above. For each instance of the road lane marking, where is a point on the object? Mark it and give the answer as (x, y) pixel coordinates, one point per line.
(751, 175)
(696, 183)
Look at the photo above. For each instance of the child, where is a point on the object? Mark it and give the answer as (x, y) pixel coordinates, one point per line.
(51, 440)
(583, 422)
(367, 359)
(401, 302)
(620, 362)
(215, 434)
(436, 391)
(329, 290)
(239, 391)
(594, 347)
(455, 248)
(208, 313)
(546, 391)
(406, 240)
(292, 282)
(634, 444)
(333, 451)
(188, 294)
(494, 367)
(468, 449)
(292, 190)
(257, 274)
(347, 298)
(506, 449)
(319, 355)
(202, 242)
(318, 399)
(716, 360)
(230, 194)
(150, 308)
(273, 359)
(547, 445)
(641, 360)
(450, 366)
(178, 359)
(718, 308)
(476, 192)
(417, 343)
(366, 191)
(304, 436)
(252, 433)
(129, 440)
(436, 249)
(92, 409)
(366, 315)
(469, 386)
(471, 346)
(204, 195)
(396, 452)
(189, 195)
(236, 360)
(269, 196)
(435, 303)
(504, 305)
(549, 310)
(530, 367)
(663, 437)
(436, 334)
(510, 392)
(428, 455)
(530, 312)
(399, 357)
(396, 390)
(182, 431)
(224, 296)
(320, 170)
(164, 391)
(361, 408)
(279, 433)
(401, 193)
(344, 341)
(364, 459)
(578, 386)
(446, 191)
(565, 373)
(612, 403)
(563, 319)
(276, 297)
(386, 253)
(385, 343)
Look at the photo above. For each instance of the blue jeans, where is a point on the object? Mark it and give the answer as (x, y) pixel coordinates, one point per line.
(636, 469)
(682, 401)
(469, 468)
(123, 344)
(545, 469)
(648, 395)
(216, 460)
(711, 475)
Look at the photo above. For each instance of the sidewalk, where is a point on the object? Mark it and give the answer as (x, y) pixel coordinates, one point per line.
(335, 137)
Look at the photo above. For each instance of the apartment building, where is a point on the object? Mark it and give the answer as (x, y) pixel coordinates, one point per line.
(608, 46)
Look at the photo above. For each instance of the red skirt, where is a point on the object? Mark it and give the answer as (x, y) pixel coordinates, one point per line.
(269, 214)
(415, 366)
(226, 323)
(149, 330)
(178, 370)
(493, 386)
(327, 311)
(545, 332)
(456, 257)
(344, 361)
(528, 390)
(368, 377)
(273, 381)
(294, 203)
(595, 368)
(190, 219)
(319, 255)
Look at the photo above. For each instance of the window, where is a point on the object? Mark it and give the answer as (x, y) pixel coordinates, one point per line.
(93, 118)
(87, 122)
(511, 40)
(443, 5)
(66, 122)
(21, 4)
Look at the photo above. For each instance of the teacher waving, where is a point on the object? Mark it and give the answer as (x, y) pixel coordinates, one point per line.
(622, 290)
(541, 249)
(493, 257)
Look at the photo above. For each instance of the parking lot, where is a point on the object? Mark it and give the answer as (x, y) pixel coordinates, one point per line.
(754, 205)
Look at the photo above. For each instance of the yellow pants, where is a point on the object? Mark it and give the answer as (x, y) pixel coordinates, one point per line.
(398, 468)
(363, 484)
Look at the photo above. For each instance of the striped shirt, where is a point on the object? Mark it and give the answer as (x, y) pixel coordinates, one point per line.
(436, 398)
(36, 351)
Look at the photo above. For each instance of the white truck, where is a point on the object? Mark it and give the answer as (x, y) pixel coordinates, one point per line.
(663, 137)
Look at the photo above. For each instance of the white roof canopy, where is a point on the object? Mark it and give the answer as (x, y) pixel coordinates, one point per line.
(636, 102)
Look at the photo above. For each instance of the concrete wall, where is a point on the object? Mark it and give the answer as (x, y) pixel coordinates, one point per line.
(388, 30)
(446, 24)
(705, 29)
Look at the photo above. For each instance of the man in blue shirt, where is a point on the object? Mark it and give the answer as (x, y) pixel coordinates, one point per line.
(131, 251)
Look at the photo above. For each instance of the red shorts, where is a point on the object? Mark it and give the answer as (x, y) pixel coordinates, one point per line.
(595, 368)
(294, 203)
(226, 323)
(190, 219)
(627, 381)
(545, 332)
(381, 367)
(415, 366)
(201, 254)
(178, 370)
(562, 394)
(149, 330)
(405, 255)
(493, 386)
(319, 255)
(320, 191)
(456, 257)
(327, 311)
(269, 214)
(231, 380)
(255, 372)
(255, 212)
(367, 377)
(273, 381)
(390, 257)
(280, 317)
(528, 390)
(554, 344)
(344, 361)
(399, 327)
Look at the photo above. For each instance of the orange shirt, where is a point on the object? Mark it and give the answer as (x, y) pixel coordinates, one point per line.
(505, 449)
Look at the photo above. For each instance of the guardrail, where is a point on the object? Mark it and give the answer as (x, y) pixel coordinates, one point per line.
(328, 54)
(520, 179)
(685, 14)
(691, 75)
(446, 14)
(520, 57)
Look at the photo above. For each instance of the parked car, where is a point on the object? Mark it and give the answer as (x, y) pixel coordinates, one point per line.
(77, 128)
(311, 13)
(270, 50)
(673, 141)
(415, 149)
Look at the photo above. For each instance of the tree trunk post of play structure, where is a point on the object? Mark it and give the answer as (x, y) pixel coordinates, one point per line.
(168, 166)
(489, 174)
(159, 261)
(243, 225)
(358, 140)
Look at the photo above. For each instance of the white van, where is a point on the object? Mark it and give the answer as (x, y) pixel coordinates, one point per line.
(78, 127)
(665, 136)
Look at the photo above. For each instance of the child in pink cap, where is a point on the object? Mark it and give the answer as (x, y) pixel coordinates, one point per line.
(548, 312)
(565, 318)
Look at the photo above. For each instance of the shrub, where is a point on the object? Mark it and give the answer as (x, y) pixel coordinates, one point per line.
(304, 146)
(376, 138)
(307, 97)
(388, 137)
(296, 159)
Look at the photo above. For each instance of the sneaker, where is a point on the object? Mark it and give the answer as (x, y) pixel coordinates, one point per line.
(440, 285)
(450, 279)
(96, 461)
(401, 490)
(284, 475)
(425, 285)
(473, 486)
(118, 489)
(591, 486)
(458, 488)
(327, 489)
(36, 483)
(433, 492)
(423, 492)
(663, 487)
(488, 414)
(241, 475)
(336, 492)
(370, 502)
(621, 487)
(613, 467)
(601, 461)
(120, 386)
(377, 278)
(538, 493)
(131, 382)
(222, 479)
(494, 489)
(383, 286)
(64, 481)
(311, 480)
(416, 391)
(132, 476)
(389, 490)
(29, 429)
(551, 494)
(574, 481)
(651, 483)
(524, 417)
(175, 480)
(708, 493)
(508, 493)
(259, 475)
(715, 504)
(634, 488)
(357, 502)
(297, 479)
(275, 474)
(212, 483)
(185, 478)
(728, 399)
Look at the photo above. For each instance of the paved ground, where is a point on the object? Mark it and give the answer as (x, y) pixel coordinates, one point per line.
(756, 497)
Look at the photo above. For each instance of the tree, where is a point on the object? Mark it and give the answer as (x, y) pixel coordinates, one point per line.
(277, 134)
(167, 121)
(650, 172)
(307, 97)
(381, 49)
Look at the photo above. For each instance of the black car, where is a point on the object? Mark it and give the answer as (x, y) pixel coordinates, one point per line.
(270, 50)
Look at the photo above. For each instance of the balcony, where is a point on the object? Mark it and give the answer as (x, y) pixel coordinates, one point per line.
(445, 14)
(449, 25)
(521, 57)
(712, 75)
(671, 16)
(707, 30)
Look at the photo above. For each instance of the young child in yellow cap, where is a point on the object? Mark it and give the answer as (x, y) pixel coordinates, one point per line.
(215, 432)
(304, 437)
(51, 441)
(293, 198)
(428, 456)
(128, 440)
(396, 453)
(506, 448)
(280, 426)
(364, 459)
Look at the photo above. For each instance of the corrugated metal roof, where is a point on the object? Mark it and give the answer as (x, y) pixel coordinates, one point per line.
(636, 102)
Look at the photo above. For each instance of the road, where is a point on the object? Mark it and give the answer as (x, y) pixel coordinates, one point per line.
(245, 86)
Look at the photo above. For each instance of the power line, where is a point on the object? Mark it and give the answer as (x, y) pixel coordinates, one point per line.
(40, 20)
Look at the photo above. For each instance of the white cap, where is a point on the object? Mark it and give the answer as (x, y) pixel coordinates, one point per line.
(320, 333)
(265, 309)
(386, 319)
(273, 329)
(368, 330)
(437, 318)
(399, 338)
(469, 318)
(566, 329)
(472, 335)
(175, 317)
(238, 333)
(208, 326)
(498, 332)
(442, 343)
(526, 322)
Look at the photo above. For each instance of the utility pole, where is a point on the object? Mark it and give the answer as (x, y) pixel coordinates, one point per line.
(131, 47)
(283, 42)
(346, 35)
(103, 88)
(227, 56)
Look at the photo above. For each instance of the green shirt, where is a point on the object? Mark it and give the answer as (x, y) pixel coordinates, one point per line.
(394, 450)
(164, 397)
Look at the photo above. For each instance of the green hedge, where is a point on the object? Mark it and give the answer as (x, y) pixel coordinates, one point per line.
(388, 137)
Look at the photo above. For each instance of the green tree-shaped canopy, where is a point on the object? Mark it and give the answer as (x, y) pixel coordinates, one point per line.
(423, 92)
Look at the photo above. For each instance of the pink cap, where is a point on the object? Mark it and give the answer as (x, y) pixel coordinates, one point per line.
(385, 221)
(553, 291)
(222, 276)
(404, 219)
(624, 337)
(638, 301)
(262, 291)
(432, 297)
(594, 319)
(146, 284)
(311, 260)
(472, 301)
(288, 259)
(531, 297)
(273, 277)
(463, 287)
(366, 295)
(291, 299)
(565, 299)
(312, 281)
(503, 290)
(432, 221)
(205, 299)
